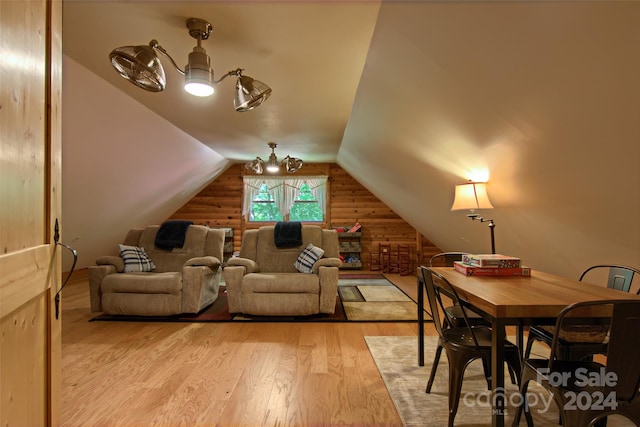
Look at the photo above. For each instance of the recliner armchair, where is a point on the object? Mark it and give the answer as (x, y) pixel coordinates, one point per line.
(185, 279)
(263, 279)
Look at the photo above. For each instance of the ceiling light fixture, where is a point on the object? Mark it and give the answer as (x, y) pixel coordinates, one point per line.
(141, 66)
(257, 166)
(472, 196)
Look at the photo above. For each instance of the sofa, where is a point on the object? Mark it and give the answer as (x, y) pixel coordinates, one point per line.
(264, 279)
(168, 281)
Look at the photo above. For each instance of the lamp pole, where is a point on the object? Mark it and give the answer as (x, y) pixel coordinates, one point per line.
(492, 225)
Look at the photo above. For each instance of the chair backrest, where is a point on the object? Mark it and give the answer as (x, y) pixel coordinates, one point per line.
(446, 259)
(620, 277)
(623, 319)
(435, 300)
(199, 241)
(258, 245)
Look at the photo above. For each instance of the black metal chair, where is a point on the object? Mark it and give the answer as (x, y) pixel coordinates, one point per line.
(462, 344)
(583, 341)
(453, 313)
(587, 392)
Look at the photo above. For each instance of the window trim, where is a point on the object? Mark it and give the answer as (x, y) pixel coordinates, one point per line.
(284, 191)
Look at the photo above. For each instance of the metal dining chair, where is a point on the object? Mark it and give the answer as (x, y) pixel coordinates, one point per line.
(462, 344)
(453, 313)
(581, 341)
(587, 392)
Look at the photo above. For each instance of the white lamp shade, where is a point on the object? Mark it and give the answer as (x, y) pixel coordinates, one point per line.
(471, 196)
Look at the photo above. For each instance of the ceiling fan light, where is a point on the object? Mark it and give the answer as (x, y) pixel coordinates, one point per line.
(272, 165)
(198, 75)
(292, 164)
(250, 93)
(198, 87)
(140, 65)
(256, 166)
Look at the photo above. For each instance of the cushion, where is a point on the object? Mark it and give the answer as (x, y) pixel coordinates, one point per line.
(307, 258)
(135, 259)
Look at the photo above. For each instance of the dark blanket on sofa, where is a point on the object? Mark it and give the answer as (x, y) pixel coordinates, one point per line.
(287, 234)
(172, 234)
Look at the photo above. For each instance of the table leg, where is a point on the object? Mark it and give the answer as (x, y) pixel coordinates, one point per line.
(497, 373)
(420, 320)
(520, 339)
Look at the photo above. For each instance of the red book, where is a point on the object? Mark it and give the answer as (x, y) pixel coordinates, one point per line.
(354, 228)
(470, 270)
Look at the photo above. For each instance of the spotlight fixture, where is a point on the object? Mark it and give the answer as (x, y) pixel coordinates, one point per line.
(141, 66)
(472, 196)
(257, 166)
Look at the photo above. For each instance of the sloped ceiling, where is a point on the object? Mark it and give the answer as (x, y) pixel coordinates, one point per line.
(310, 53)
(544, 96)
(410, 98)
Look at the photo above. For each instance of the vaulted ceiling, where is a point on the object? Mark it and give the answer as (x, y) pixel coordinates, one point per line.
(310, 53)
(409, 97)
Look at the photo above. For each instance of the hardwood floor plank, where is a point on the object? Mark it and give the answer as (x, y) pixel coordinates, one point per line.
(221, 374)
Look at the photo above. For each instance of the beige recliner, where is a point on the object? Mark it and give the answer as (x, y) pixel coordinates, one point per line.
(263, 279)
(185, 279)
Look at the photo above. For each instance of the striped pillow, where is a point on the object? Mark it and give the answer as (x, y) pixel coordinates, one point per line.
(135, 259)
(307, 258)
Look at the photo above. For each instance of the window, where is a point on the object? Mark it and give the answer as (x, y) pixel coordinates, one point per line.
(263, 207)
(305, 207)
(280, 198)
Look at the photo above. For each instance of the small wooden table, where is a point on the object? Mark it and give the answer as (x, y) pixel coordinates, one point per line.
(513, 300)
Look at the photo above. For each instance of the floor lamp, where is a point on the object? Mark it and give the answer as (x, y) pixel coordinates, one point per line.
(472, 196)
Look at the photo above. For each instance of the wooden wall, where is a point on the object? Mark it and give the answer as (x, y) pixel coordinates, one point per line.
(220, 205)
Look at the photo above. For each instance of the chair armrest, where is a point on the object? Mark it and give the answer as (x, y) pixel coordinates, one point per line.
(200, 284)
(113, 260)
(326, 262)
(250, 265)
(96, 274)
(233, 275)
(204, 261)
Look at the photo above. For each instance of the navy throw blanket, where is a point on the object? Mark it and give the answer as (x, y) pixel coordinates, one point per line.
(287, 234)
(171, 234)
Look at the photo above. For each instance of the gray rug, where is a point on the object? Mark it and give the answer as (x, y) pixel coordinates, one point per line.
(397, 361)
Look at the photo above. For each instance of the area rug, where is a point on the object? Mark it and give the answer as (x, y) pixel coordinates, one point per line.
(397, 362)
(366, 298)
(375, 299)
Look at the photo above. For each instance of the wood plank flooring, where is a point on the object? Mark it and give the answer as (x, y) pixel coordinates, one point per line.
(221, 374)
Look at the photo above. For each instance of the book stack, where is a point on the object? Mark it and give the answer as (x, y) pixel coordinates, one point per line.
(491, 265)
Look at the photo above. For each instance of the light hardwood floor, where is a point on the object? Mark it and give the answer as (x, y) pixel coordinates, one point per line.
(221, 374)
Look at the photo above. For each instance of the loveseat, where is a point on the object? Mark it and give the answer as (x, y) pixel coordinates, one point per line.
(265, 280)
(183, 279)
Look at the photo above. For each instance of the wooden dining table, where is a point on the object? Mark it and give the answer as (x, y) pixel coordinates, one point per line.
(513, 301)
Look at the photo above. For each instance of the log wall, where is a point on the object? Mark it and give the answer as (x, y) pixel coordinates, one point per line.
(220, 205)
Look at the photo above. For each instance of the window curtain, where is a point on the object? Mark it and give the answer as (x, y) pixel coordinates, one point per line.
(284, 191)
(251, 189)
(318, 185)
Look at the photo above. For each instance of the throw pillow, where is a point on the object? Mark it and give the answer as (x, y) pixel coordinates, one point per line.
(307, 258)
(135, 259)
